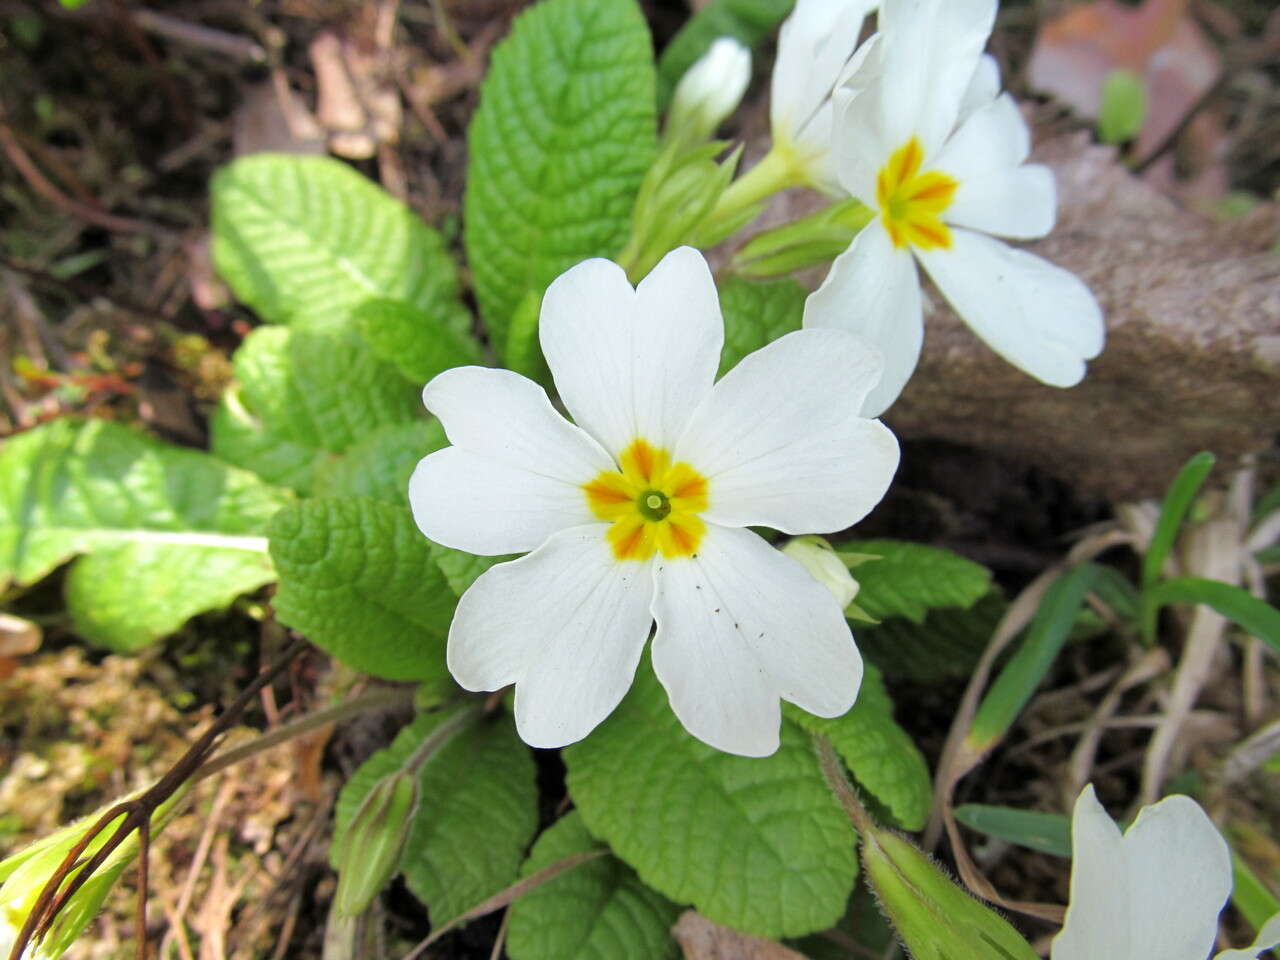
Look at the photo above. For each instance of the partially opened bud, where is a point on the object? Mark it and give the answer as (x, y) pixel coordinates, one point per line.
(935, 918)
(709, 91)
(368, 852)
(25, 874)
(816, 556)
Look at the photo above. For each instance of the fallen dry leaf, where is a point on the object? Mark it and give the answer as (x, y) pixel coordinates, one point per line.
(1076, 51)
(700, 939)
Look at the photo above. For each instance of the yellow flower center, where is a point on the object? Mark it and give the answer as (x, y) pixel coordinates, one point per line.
(912, 202)
(651, 504)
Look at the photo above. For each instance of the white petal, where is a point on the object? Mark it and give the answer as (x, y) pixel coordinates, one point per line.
(566, 625)
(858, 143)
(486, 507)
(780, 442)
(1179, 876)
(994, 139)
(814, 46)
(633, 363)
(514, 475)
(1021, 203)
(984, 86)
(500, 415)
(873, 292)
(740, 625)
(1039, 317)
(931, 50)
(1268, 937)
(1097, 923)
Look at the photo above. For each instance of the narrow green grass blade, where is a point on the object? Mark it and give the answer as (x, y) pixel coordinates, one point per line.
(1177, 501)
(1243, 608)
(1047, 832)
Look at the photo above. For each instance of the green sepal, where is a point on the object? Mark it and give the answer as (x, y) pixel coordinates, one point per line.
(808, 242)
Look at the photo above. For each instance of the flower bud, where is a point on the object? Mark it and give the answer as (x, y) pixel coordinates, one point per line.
(368, 852)
(26, 872)
(709, 91)
(816, 556)
(935, 918)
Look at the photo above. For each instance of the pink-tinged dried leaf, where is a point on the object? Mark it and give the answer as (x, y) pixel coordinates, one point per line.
(272, 119)
(18, 636)
(1074, 54)
(700, 939)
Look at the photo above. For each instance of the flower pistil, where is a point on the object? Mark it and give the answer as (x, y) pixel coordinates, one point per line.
(911, 202)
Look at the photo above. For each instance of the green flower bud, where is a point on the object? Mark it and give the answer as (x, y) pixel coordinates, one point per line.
(816, 239)
(367, 854)
(935, 918)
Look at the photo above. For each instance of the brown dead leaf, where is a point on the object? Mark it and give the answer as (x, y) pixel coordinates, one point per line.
(272, 119)
(356, 102)
(1075, 52)
(700, 939)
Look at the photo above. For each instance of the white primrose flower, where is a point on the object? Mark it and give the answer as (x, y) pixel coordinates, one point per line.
(710, 90)
(1153, 893)
(815, 53)
(923, 137)
(638, 511)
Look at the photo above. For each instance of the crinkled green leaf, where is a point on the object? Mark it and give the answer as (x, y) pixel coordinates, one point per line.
(304, 397)
(598, 910)
(758, 844)
(379, 465)
(359, 580)
(911, 579)
(169, 532)
(946, 645)
(748, 21)
(878, 752)
(564, 133)
(420, 344)
(307, 239)
(755, 314)
(477, 811)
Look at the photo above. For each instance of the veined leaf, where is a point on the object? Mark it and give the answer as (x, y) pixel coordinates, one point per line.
(359, 580)
(564, 133)
(420, 344)
(304, 397)
(759, 844)
(597, 911)
(169, 532)
(477, 811)
(878, 752)
(308, 239)
(379, 465)
(911, 579)
(757, 313)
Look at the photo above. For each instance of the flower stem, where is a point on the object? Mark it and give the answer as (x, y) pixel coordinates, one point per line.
(833, 771)
(776, 171)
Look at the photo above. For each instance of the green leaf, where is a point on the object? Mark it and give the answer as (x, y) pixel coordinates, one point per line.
(170, 532)
(303, 398)
(420, 344)
(1047, 832)
(1241, 607)
(755, 314)
(911, 579)
(1173, 511)
(477, 811)
(597, 911)
(359, 580)
(947, 645)
(748, 21)
(758, 844)
(379, 466)
(1053, 623)
(878, 752)
(564, 133)
(1256, 903)
(308, 239)
(1123, 107)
